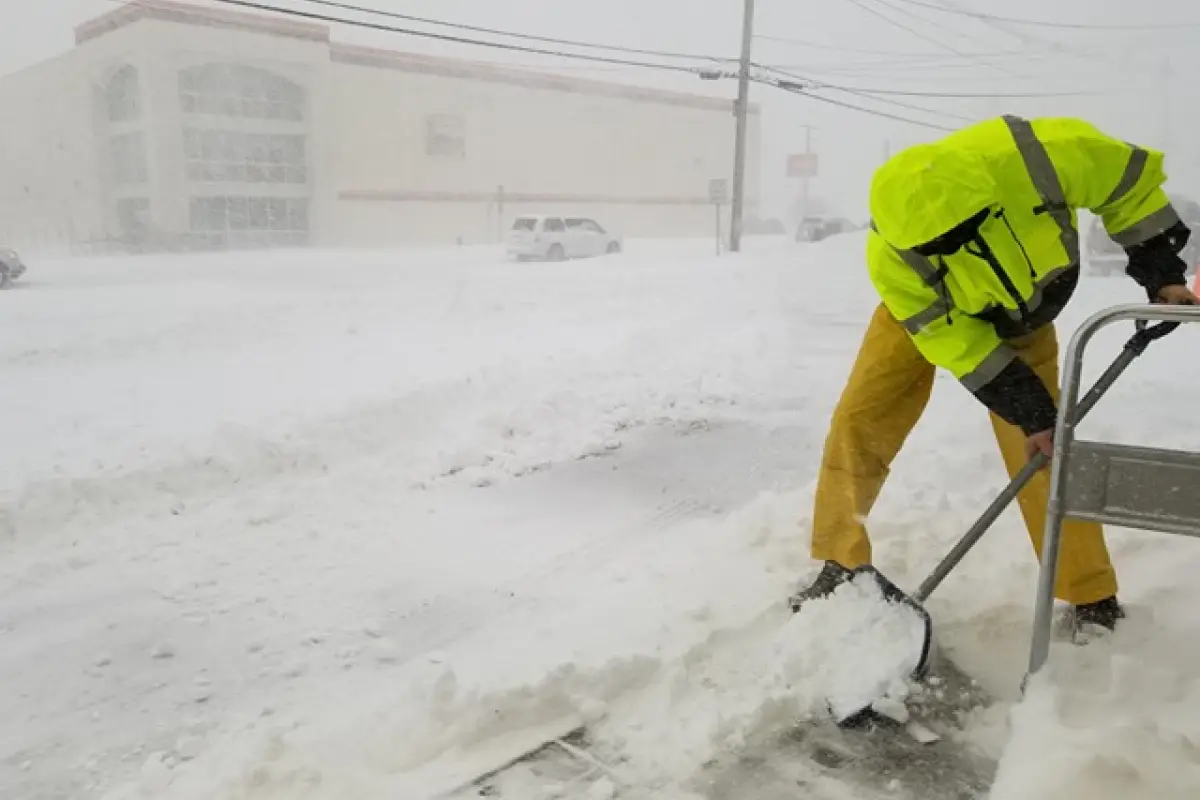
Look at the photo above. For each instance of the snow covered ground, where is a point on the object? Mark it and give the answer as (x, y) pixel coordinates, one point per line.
(331, 525)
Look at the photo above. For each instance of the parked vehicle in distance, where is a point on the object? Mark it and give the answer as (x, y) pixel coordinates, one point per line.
(1106, 257)
(814, 229)
(551, 238)
(11, 267)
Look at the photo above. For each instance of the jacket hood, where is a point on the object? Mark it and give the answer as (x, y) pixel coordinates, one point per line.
(924, 191)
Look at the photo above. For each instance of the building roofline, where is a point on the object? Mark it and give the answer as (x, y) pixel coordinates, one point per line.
(498, 73)
(189, 14)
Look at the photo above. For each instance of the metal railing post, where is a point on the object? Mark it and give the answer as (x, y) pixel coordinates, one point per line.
(1063, 438)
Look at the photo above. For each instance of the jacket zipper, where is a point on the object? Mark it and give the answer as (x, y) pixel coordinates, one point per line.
(985, 253)
(1000, 215)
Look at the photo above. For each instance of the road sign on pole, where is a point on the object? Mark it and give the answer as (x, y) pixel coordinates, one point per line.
(802, 165)
(718, 191)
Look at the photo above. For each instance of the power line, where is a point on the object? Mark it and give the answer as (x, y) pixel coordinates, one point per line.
(902, 55)
(935, 24)
(503, 46)
(916, 32)
(933, 73)
(936, 74)
(443, 37)
(530, 37)
(800, 80)
(512, 34)
(1055, 46)
(794, 88)
(972, 95)
(1058, 48)
(875, 12)
(863, 51)
(932, 60)
(1082, 26)
(1047, 49)
(789, 87)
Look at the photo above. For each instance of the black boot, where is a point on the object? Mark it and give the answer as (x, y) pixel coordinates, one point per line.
(1102, 614)
(832, 576)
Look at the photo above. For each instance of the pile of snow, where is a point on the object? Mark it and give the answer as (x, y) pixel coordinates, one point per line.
(1135, 734)
(434, 722)
(1121, 717)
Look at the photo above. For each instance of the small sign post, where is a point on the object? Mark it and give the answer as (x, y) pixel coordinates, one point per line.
(718, 195)
(500, 213)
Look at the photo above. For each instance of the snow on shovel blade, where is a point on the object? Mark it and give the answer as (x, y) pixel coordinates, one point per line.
(894, 594)
(910, 642)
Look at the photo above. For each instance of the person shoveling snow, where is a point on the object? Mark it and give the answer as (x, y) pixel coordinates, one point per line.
(974, 252)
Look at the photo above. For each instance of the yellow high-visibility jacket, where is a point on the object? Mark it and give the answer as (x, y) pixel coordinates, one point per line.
(1033, 176)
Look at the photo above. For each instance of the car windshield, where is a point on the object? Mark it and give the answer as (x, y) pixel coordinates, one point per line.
(581, 224)
(524, 224)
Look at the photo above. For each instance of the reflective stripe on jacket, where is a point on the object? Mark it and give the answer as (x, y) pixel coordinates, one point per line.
(1032, 176)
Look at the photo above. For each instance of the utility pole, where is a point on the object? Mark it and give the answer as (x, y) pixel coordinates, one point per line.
(742, 111)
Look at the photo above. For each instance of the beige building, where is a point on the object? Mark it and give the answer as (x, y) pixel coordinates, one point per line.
(175, 126)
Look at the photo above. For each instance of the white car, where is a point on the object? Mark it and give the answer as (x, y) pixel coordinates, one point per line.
(552, 238)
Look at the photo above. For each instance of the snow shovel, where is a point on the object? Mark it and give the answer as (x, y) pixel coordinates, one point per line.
(1136, 345)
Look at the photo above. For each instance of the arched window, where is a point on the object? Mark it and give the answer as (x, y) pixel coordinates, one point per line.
(236, 90)
(122, 95)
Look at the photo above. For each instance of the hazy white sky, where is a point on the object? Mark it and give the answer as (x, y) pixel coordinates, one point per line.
(1141, 81)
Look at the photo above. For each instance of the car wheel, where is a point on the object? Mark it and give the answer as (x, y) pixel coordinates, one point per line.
(614, 247)
(5, 278)
(556, 253)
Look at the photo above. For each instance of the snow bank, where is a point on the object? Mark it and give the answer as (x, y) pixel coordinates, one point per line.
(1120, 717)
(1138, 737)
(429, 738)
(445, 718)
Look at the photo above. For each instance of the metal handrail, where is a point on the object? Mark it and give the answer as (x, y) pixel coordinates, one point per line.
(1169, 317)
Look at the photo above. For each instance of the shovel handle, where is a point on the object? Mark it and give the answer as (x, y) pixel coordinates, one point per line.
(1147, 333)
(1136, 345)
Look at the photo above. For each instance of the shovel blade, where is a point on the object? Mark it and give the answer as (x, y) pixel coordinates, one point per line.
(897, 596)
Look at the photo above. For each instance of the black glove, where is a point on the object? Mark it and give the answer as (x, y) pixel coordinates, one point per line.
(1155, 263)
(1018, 396)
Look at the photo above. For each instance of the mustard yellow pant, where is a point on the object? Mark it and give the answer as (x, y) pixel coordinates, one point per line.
(887, 392)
